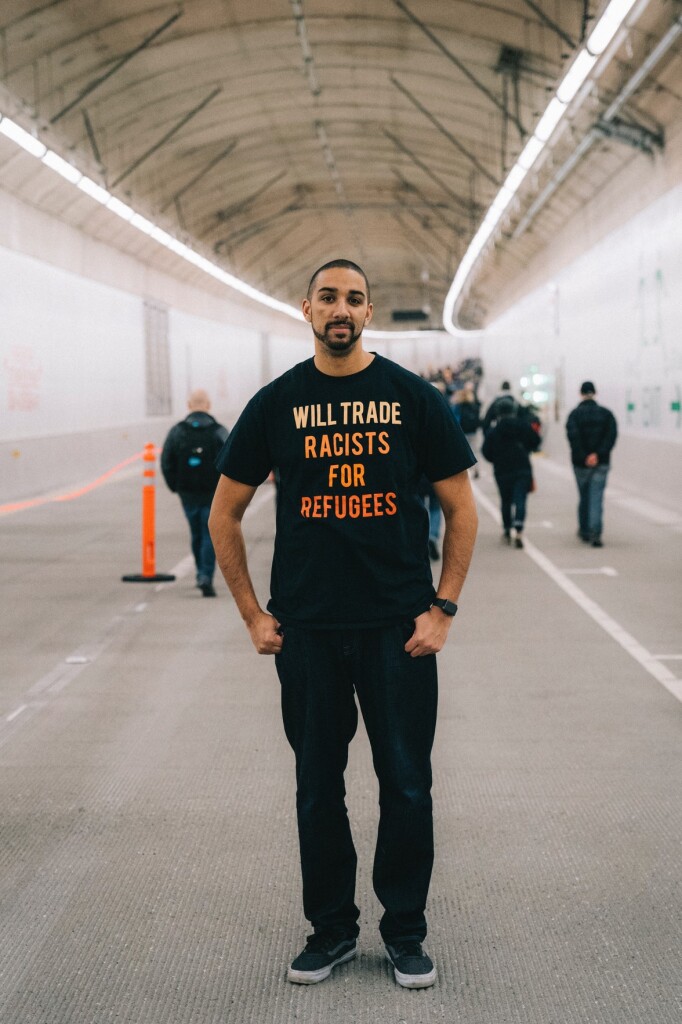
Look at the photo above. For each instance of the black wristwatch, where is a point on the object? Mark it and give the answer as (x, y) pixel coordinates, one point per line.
(448, 607)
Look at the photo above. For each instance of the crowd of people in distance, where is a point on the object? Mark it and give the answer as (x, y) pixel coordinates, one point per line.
(511, 431)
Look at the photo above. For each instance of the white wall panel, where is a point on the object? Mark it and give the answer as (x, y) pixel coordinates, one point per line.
(222, 358)
(71, 352)
(611, 316)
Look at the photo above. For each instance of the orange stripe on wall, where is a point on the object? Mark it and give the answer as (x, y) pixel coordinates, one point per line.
(19, 506)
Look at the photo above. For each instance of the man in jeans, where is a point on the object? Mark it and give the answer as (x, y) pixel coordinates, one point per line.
(188, 467)
(352, 609)
(592, 432)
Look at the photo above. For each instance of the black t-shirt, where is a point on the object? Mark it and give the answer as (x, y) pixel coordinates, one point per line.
(351, 541)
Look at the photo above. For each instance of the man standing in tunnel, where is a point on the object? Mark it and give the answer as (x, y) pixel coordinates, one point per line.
(353, 609)
(592, 432)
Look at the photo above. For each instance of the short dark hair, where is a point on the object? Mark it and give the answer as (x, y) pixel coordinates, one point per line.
(588, 388)
(505, 386)
(347, 264)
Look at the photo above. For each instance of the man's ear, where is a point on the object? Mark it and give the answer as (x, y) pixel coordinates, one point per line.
(368, 314)
(307, 313)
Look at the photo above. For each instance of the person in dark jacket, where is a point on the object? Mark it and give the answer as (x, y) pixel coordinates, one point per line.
(503, 400)
(187, 464)
(507, 446)
(592, 433)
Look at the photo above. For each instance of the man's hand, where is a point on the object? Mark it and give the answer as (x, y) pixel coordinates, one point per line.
(592, 460)
(430, 633)
(263, 629)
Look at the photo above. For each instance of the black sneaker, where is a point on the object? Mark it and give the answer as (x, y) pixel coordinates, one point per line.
(412, 967)
(322, 953)
(207, 589)
(597, 542)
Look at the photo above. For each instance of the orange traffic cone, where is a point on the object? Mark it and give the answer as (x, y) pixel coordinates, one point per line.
(149, 573)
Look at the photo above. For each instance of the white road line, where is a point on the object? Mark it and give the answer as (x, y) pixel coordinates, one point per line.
(605, 570)
(647, 660)
(15, 714)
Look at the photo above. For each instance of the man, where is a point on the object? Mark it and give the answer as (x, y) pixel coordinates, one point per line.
(592, 432)
(492, 415)
(188, 467)
(507, 447)
(352, 606)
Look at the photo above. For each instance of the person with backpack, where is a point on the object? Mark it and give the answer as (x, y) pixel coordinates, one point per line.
(188, 467)
(502, 401)
(507, 446)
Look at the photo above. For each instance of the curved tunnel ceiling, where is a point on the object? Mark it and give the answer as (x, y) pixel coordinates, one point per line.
(277, 134)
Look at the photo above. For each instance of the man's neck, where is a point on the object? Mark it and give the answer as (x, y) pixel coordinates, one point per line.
(341, 366)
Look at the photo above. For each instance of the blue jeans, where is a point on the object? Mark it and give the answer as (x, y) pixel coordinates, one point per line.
(202, 546)
(513, 488)
(320, 672)
(591, 485)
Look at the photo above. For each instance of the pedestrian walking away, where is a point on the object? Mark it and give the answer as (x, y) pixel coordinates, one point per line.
(507, 446)
(592, 431)
(353, 611)
(188, 467)
(501, 401)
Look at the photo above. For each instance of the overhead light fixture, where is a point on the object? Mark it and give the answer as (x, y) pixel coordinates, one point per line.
(600, 38)
(95, 191)
(607, 26)
(62, 167)
(22, 138)
(575, 76)
(549, 120)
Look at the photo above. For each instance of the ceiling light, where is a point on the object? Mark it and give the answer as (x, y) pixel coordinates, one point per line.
(63, 167)
(142, 224)
(95, 191)
(530, 153)
(550, 119)
(575, 76)
(607, 26)
(120, 209)
(22, 138)
(515, 176)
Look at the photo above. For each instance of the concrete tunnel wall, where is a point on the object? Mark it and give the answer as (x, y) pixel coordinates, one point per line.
(98, 351)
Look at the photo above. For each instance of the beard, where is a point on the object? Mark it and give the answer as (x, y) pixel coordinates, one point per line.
(338, 346)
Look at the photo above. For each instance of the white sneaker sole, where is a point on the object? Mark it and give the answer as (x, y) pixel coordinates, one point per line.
(413, 980)
(312, 977)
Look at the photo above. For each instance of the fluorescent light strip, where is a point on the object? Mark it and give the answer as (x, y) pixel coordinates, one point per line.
(570, 85)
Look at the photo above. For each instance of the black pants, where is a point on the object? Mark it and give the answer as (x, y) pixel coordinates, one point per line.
(513, 487)
(320, 672)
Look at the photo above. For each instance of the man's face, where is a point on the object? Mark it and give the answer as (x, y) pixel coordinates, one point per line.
(338, 309)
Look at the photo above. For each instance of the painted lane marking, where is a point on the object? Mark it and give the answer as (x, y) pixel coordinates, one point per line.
(648, 661)
(58, 678)
(605, 570)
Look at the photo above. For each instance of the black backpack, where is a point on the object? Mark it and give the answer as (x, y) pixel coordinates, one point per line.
(197, 449)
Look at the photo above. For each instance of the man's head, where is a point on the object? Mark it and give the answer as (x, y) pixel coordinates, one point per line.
(587, 389)
(337, 306)
(505, 386)
(198, 401)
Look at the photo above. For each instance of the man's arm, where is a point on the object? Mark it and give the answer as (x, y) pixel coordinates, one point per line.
(230, 502)
(461, 522)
